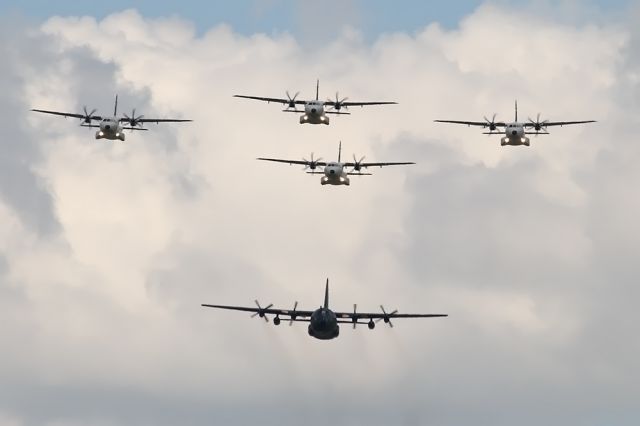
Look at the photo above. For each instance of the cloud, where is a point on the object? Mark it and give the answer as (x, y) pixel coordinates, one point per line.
(109, 248)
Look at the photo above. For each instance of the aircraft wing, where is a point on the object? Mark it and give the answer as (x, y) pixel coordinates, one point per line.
(560, 123)
(355, 316)
(278, 100)
(67, 114)
(268, 310)
(156, 120)
(360, 104)
(378, 164)
(301, 162)
(471, 123)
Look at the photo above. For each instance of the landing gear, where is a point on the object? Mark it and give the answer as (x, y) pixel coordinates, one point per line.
(527, 143)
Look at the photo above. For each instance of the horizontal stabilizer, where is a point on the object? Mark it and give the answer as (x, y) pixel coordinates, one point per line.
(359, 174)
(134, 128)
(293, 110)
(337, 113)
(89, 125)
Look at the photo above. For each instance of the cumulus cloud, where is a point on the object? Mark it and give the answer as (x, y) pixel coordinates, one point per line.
(109, 248)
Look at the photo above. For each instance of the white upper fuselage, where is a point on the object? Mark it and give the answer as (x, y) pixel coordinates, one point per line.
(514, 134)
(314, 113)
(111, 129)
(334, 174)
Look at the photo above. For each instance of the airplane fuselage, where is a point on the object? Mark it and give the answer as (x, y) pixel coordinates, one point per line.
(514, 134)
(323, 324)
(111, 129)
(314, 113)
(334, 174)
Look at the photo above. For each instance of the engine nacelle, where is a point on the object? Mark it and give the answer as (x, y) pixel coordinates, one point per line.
(371, 325)
(276, 321)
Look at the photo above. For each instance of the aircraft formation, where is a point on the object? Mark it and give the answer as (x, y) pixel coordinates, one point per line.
(323, 323)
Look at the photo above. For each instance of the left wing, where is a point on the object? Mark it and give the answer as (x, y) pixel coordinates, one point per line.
(360, 104)
(154, 120)
(559, 123)
(365, 165)
(365, 315)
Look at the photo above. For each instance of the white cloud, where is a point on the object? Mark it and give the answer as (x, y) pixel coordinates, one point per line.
(531, 251)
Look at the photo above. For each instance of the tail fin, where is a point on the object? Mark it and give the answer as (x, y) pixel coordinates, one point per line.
(339, 151)
(326, 295)
(115, 107)
(317, 89)
(516, 111)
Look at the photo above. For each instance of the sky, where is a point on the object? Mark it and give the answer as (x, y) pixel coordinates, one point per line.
(107, 249)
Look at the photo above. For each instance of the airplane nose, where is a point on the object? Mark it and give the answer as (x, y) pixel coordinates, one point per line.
(313, 110)
(514, 132)
(333, 172)
(107, 127)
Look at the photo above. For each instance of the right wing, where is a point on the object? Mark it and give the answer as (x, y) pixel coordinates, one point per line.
(301, 162)
(68, 114)
(263, 311)
(471, 123)
(278, 100)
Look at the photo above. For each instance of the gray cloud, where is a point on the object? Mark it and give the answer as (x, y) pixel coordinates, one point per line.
(109, 248)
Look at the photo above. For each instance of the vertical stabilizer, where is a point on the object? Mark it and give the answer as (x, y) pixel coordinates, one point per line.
(326, 295)
(516, 111)
(339, 151)
(115, 107)
(317, 89)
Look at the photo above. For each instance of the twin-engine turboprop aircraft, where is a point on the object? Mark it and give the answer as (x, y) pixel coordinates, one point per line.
(515, 133)
(335, 172)
(314, 111)
(111, 127)
(323, 322)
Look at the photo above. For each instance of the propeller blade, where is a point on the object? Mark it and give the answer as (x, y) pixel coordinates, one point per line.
(354, 319)
(293, 316)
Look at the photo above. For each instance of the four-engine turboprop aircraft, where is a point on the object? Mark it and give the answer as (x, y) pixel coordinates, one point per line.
(111, 127)
(335, 172)
(314, 111)
(323, 322)
(515, 133)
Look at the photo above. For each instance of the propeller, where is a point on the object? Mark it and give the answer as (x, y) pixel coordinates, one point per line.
(293, 314)
(354, 318)
(386, 316)
(539, 125)
(491, 123)
(292, 101)
(338, 103)
(357, 164)
(261, 311)
(133, 120)
(311, 164)
(88, 116)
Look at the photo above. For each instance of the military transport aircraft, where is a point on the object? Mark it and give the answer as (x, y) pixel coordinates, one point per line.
(515, 133)
(323, 322)
(335, 172)
(111, 127)
(314, 111)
